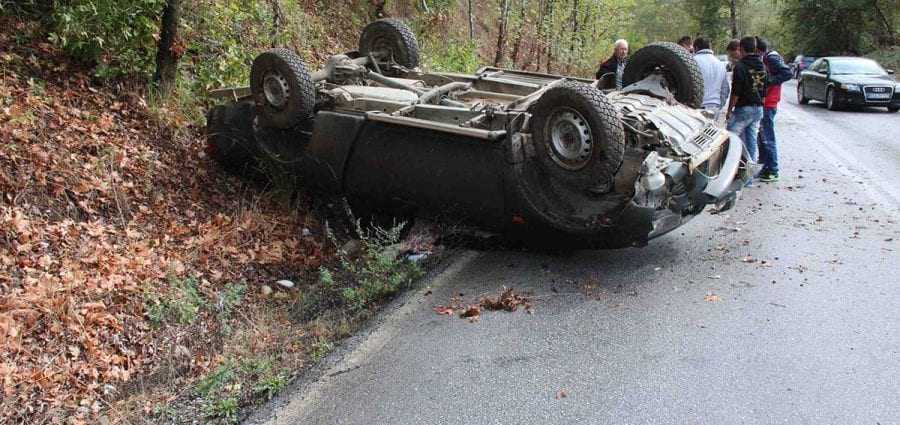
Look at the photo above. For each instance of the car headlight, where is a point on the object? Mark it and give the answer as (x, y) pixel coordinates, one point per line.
(850, 87)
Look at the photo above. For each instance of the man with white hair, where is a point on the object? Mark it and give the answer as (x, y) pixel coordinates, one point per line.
(616, 63)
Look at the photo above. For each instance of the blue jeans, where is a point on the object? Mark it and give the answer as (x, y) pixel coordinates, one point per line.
(745, 123)
(768, 150)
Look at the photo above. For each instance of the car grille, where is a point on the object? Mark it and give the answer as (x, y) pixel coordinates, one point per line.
(879, 93)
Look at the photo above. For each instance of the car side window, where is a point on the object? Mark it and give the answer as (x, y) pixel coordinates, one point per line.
(814, 66)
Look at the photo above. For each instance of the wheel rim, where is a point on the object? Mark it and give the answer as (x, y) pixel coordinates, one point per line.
(570, 139)
(830, 99)
(276, 89)
(800, 93)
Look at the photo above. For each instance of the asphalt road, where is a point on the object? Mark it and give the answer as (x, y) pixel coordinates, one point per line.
(783, 310)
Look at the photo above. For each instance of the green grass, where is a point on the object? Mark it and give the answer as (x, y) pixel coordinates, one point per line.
(180, 306)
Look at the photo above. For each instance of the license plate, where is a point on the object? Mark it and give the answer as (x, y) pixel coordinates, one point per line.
(879, 95)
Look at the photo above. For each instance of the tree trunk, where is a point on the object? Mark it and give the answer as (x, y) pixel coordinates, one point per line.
(517, 46)
(733, 6)
(471, 22)
(501, 37)
(889, 38)
(536, 45)
(166, 55)
(571, 57)
(551, 42)
(277, 22)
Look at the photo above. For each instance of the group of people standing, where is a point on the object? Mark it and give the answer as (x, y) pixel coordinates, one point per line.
(748, 100)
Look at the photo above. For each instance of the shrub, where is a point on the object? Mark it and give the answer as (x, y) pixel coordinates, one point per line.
(119, 37)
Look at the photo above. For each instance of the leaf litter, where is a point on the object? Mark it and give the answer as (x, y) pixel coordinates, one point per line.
(506, 299)
(102, 207)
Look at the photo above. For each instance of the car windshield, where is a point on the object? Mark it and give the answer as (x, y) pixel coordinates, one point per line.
(856, 66)
(808, 60)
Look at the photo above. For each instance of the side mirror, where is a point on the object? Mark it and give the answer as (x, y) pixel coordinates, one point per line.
(890, 71)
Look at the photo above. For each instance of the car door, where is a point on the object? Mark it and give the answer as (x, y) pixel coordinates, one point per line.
(808, 81)
(819, 78)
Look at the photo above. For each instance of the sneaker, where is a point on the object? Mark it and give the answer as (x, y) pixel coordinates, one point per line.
(769, 177)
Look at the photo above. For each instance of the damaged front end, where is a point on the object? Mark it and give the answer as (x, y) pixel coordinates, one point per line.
(691, 163)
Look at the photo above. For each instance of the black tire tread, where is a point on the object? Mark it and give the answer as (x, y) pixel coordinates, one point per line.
(613, 137)
(677, 59)
(410, 55)
(228, 132)
(301, 106)
(834, 105)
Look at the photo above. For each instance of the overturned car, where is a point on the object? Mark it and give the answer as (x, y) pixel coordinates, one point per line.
(543, 159)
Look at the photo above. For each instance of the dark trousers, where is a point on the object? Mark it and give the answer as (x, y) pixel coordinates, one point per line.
(768, 149)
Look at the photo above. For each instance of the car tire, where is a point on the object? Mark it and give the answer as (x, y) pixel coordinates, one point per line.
(282, 89)
(893, 108)
(801, 94)
(391, 37)
(229, 138)
(678, 66)
(831, 101)
(578, 136)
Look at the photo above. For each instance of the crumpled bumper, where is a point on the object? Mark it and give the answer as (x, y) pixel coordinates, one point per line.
(722, 189)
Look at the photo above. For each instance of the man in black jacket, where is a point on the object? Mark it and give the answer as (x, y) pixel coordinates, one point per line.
(748, 89)
(616, 63)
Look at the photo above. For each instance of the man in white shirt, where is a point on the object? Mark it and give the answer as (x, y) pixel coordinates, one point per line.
(716, 86)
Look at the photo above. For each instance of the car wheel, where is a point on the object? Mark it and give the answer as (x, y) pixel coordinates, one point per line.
(390, 40)
(578, 136)
(893, 108)
(677, 66)
(229, 139)
(801, 94)
(282, 89)
(831, 100)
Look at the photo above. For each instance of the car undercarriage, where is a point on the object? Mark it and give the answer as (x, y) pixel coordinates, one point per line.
(548, 160)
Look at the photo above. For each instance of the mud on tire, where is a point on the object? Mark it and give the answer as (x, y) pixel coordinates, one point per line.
(282, 89)
(577, 136)
(677, 65)
(391, 37)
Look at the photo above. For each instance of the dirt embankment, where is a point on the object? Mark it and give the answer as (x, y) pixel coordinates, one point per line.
(124, 254)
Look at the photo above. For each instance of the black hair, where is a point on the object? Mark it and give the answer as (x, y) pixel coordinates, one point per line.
(684, 39)
(748, 43)
(701, 43)
(762, 44)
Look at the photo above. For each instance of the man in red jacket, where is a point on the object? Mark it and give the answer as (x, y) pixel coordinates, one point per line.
(778, 72)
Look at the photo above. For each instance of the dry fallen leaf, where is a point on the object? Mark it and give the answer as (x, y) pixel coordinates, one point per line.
(562, 394)
(443, 310)
(712, 298)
